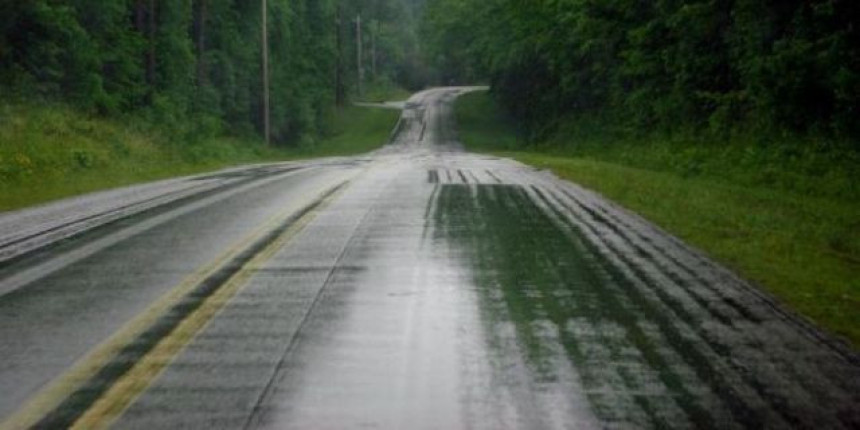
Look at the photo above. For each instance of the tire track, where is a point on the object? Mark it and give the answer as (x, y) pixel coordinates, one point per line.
(745, 324)
(73, 407)
(791, 401)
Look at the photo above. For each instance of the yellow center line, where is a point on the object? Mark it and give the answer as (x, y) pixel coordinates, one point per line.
(138, 377)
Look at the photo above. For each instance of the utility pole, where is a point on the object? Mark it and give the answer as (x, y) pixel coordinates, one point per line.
(267, 128)
(373, 48)
(358, 53)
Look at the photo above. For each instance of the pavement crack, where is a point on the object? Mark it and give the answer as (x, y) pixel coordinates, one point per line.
(95, 387)
(294, 339)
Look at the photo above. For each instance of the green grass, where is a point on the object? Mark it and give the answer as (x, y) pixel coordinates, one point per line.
(51, 152)
(795, 238)
(356, 130)
(383, 91)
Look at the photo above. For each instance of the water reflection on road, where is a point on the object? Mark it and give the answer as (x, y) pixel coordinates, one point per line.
(422, 287)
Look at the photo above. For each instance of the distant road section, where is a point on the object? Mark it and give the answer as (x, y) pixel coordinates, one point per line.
(417, 287)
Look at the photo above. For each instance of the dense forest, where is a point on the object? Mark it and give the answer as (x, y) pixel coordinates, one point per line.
(723, 67)
(716, 66)
(200, 61)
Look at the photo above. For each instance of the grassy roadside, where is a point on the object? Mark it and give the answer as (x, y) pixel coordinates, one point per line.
(355, 130)
(53, 152)
(383, 90)
(800, 244)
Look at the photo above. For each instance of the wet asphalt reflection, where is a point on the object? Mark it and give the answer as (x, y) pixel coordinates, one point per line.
(434, 289)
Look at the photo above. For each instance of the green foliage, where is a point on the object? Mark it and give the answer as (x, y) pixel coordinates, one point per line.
(383, 90)
(194, 66)
(714, 66)
(49, 152)
(52, 152)
(390, 46)
(811, 166)
(803, 166)
(488, 128)
(355, 130)
(786, 219)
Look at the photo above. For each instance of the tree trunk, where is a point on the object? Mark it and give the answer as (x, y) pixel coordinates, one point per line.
(140, 16)
(359, 54)
(200, 41)
(152, 29)
(339, 90)
(145, 25)
(373, 50)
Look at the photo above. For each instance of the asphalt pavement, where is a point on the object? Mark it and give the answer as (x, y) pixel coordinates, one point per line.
(416, 287)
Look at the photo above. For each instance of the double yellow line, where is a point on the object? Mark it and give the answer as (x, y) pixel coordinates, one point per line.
(111, 404)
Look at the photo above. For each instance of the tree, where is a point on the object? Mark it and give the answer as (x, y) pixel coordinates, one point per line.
(715, 65)
(196, 62)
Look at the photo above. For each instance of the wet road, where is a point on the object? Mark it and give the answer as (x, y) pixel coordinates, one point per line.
(416, 287)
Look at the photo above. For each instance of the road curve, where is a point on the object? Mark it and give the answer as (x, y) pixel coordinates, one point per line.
(419, 286)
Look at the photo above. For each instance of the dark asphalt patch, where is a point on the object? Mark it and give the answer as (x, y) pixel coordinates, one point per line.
(638, 353)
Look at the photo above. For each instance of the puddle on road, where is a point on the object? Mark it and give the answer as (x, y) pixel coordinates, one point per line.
(545, 292)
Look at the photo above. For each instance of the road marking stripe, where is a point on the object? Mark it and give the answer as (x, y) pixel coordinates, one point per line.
(41, 270)
(123, 393)
(48, 399)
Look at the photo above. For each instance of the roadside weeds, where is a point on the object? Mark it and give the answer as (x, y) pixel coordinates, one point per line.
(803, 249)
